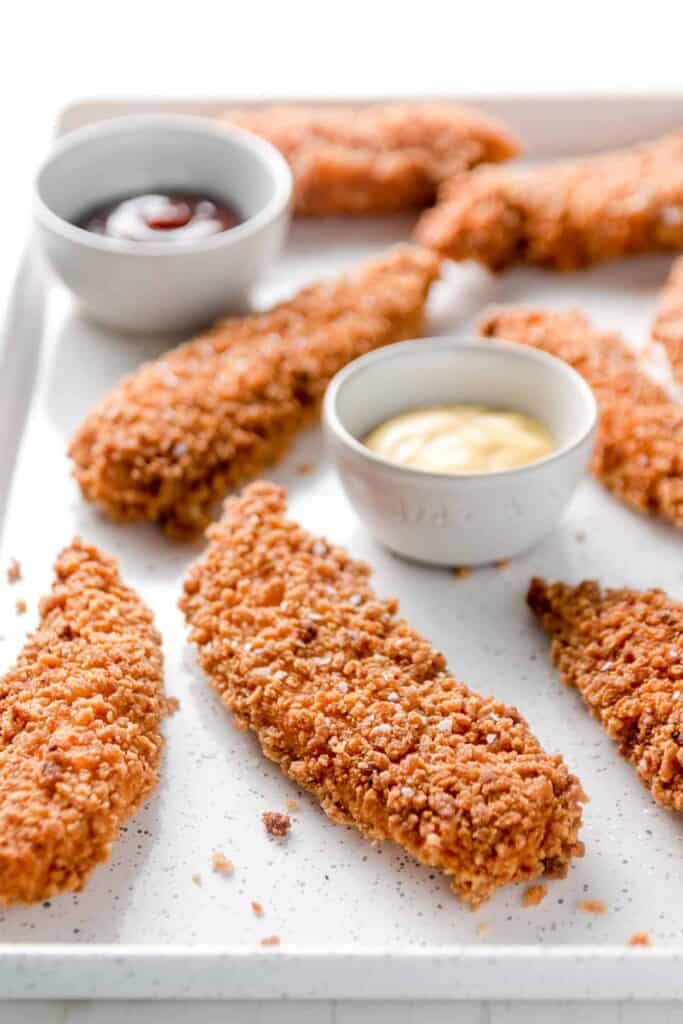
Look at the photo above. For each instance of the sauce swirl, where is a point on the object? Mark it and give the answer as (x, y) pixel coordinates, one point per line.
(161, 217)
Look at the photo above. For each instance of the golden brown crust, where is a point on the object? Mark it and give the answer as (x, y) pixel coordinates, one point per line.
(566, 216)
(668, 326)
(639, 446)
(79, 729)
(623, 651)
(377, 159)
(174, 436)
(358, 708)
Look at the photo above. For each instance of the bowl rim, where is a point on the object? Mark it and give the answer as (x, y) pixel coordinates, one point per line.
(501, 347)
(193, 124)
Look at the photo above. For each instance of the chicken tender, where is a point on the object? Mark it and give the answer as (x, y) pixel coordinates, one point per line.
(178, 433)
(623, 650)
(80, 738)
(358, 708)
(567, 216)
(377, 159)
(639, 446)
(668, 326)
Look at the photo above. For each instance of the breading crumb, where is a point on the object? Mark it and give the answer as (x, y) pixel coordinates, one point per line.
(221, 864)
(276, 824)
(13, 571)
(291, 805)
(483, 928)
(640, 939)
(580, 536)
(502, 563)
(172, 705)
(271, 940)
(593, 906)
(462, 571)
(534, 895)
(305, 468)
(257, 908)
(197, 878)
(21, 606)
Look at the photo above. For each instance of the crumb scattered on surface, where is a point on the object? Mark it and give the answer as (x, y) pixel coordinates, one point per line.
(593, 906)
(257, 908)
(89, 681)
(305, 468)
(175, 435)
(622, 650)
(221, 864)
(369, 718)
(21, 606)
(271, 940)
(640, 939)
(14, 571)
(276, 824)
(172, 705)
(502, 563)
(382, 158)
(534, 895)
(197, 878)
(462, 571)
(483, 928)
(580, 536)
(291, 805)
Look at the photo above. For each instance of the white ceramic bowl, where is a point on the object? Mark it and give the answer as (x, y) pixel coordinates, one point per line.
(157, 286)
(459, 519)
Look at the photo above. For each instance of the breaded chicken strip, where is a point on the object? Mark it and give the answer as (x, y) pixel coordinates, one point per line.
(377, 159)
(79, 729)
(358, 708)
(623, 650)
(175, 435)
(639, 446)
(565, 216)
(668, 326)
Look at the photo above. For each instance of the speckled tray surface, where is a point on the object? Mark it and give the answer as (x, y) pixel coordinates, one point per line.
(354, 920)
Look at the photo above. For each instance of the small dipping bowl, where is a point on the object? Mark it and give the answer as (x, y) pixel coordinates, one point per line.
(459, 519)
(162, 286)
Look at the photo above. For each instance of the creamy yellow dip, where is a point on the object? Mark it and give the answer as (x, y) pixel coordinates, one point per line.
(461, 439)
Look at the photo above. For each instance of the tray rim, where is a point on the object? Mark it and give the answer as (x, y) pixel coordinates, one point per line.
(111, 971)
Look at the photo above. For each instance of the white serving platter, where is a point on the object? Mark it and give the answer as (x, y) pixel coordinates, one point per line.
(355, 921)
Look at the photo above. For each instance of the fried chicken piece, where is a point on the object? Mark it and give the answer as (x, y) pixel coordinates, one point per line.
(377, 159)
(79, 729)
(175, 435)
(358, 708)
(566, 216)
(639, 446)
(622, 650)
(668, 326)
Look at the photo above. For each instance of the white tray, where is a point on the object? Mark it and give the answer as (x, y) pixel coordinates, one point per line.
(355, 921)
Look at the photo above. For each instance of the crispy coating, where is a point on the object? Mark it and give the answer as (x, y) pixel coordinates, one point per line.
(668, 325)
(566, 216)
(358, 708)
(377, 159)
(178, 433)
(79, 729)
(623, 650)
(639, 446)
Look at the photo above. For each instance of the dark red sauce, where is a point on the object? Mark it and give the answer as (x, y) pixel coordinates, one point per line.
(161, 217)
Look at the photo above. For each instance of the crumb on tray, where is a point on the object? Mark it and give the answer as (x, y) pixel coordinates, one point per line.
(534, 895)
(593, 906)
(197, 878)
(276, 824)
(291, 805)
(13, 571)
(271, 940)
(172, 705)
(221, 864)
(21, 606)
(502, 563)
(305, 468)
(462, 571)
(640, 939)
(257, 908)
(483, 928)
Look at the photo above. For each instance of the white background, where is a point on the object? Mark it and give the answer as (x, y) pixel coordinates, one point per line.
(54, 53)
